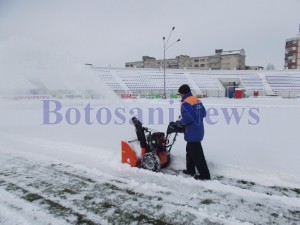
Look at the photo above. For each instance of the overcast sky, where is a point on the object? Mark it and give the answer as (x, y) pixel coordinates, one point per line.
(112, 32)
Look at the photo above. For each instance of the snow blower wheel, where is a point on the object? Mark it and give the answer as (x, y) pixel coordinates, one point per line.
(151, 162)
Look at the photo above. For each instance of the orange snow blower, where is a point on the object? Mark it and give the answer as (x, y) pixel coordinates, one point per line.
(151, 149)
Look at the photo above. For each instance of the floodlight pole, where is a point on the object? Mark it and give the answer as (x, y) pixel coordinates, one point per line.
(165, 48)
(164, 94)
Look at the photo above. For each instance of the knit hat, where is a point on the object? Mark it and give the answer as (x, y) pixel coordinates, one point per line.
(184, 89)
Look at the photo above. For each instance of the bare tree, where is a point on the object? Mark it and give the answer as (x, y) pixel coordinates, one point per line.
(270, 66)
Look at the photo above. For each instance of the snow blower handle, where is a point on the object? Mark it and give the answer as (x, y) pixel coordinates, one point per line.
(140, 132)
(138, 124)
(175, 127)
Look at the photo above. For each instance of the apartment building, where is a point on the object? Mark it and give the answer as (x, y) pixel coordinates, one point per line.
(292, 53)
(221, 60)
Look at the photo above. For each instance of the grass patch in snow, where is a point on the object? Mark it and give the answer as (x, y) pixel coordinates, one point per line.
(207, 201)
(246, 182)
(296, 190)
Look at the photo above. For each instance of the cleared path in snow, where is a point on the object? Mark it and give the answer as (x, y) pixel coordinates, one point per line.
(74, 194)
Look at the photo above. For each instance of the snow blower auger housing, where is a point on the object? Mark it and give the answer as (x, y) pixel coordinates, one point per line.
(151, 149)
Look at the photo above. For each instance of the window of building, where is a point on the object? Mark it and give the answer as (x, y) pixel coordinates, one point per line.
(196, 60)
(291, 43)
(196, 65)
(202, 65)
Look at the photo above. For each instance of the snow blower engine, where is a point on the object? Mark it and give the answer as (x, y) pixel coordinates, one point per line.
(151, 149)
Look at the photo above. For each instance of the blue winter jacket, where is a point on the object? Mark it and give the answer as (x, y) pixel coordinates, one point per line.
(192, 114)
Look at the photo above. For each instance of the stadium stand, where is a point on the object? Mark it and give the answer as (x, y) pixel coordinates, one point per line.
(285, 84)
(107, 76)
(212, 82)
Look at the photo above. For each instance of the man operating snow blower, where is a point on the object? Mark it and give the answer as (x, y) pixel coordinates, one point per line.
(192, 114)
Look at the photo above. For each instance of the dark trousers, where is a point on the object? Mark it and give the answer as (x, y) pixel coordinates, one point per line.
(195, 158)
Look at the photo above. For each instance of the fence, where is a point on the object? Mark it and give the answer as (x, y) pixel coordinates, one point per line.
(172, 94)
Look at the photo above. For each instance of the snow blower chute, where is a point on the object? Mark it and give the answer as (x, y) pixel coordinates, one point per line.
(151, 149)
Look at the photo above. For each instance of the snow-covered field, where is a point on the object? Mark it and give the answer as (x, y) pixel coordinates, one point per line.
(71, 174)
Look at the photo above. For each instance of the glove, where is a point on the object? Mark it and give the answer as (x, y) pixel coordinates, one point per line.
(175, 127)
(180, 127)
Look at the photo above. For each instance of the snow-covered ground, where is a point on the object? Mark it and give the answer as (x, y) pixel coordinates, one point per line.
(72, 174)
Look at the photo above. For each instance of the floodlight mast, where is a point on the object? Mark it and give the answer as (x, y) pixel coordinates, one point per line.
(165, 48)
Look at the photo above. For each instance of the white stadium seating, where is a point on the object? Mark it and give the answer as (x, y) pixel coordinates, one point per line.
(143, 81)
